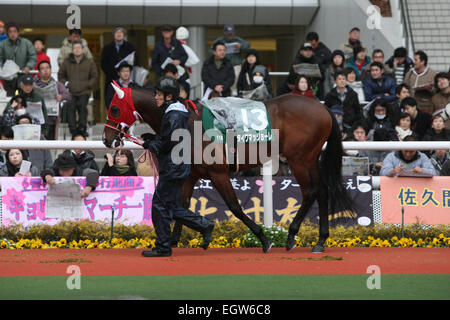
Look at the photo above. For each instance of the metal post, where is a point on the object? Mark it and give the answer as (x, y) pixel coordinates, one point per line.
(268, 205)
(403, 222)
(112, 226)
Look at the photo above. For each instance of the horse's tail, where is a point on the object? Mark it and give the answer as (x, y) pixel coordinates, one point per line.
(331, 169)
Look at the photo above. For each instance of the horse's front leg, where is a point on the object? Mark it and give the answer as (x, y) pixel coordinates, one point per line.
(221, 181)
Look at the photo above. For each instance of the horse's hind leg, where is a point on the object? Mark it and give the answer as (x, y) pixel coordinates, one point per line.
(309, 182)
(323, 218)
(221, 182)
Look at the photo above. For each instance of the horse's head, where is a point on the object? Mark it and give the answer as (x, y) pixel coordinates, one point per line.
(121, 115)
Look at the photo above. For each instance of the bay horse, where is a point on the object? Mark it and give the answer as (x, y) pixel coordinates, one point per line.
(304, 125)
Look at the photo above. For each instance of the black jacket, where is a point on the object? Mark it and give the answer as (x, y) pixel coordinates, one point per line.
(161, 53)
(351, 106)
(84, 160)
(431, 135)
(112, 171)
(421, 124)
(212, 76)
(110, 57)
(162, 145)
(323, 57)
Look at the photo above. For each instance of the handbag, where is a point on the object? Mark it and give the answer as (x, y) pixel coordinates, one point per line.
(146, 165)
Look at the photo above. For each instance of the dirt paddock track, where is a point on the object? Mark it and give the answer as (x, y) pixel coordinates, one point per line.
(299, 261)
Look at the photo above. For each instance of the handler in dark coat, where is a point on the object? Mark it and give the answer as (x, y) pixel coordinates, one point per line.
(167, 198)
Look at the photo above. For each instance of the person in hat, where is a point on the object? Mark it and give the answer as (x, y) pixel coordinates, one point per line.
(253, 73)
(338, 113)
(113, 53)
(305, 55)
(3, 35)
(337, 64)
(18, 49)
(166, 203)
(353, 41)
(235, 47)
(21, 104)
(16, 107)
(168, 47)
(66, 47)
(66, 166)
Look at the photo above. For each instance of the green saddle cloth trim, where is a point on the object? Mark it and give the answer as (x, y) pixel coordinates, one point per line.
(249, 120)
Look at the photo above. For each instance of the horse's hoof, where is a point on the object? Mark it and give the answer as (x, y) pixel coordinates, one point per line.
(267, 245)
(318, 248)
(290, 243)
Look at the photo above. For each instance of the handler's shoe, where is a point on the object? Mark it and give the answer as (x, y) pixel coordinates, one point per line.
(155, 253)
(207, 236)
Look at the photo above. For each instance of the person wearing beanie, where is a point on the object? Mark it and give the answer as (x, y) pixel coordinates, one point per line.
(353, 41)
(337, 64)
(66, 166)
(250, 67)
(66, 47)
(235, 47)
(113, 53)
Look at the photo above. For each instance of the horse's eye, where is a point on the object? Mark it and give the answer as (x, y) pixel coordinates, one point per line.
(115, 111)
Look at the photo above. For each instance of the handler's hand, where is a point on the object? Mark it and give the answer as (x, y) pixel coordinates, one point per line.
(49, 179)
(85, 192)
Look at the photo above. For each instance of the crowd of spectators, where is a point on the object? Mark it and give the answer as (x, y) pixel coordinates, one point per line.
(374, 97)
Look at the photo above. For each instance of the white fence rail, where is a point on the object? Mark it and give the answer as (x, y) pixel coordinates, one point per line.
(98, 145)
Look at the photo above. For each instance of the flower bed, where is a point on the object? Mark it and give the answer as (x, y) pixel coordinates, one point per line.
(227, 234)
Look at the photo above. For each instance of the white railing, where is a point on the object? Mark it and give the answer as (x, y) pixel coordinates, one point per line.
(98, 145)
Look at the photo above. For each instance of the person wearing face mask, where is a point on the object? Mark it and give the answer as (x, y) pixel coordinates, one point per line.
(338, 113)
(249, 78)
(166, 204)
(16, 108)
(379, 116)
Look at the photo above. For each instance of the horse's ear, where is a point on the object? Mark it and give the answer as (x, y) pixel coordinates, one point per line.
(120, 92)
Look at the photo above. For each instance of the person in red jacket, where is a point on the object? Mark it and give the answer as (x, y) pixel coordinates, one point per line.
(39, 46)
(303, 87)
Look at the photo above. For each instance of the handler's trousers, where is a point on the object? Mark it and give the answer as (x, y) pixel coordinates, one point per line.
(167, 206)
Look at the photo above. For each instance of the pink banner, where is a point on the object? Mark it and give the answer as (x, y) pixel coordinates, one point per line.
(23, 200)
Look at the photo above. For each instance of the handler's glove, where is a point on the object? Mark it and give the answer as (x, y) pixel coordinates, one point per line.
(148, 137)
